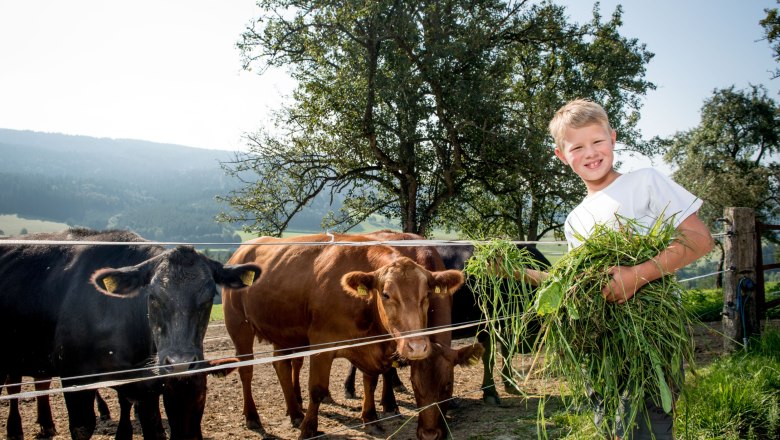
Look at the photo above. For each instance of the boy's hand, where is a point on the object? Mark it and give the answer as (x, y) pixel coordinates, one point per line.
(531, 276)
(624, 284)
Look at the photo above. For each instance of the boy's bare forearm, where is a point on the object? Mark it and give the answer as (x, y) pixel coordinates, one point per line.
(531, 276)
(694, 242)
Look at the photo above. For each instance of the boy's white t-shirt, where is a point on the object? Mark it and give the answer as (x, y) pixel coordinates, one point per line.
(643, 195)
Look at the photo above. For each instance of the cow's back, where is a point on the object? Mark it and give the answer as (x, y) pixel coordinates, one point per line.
(300, 288)
(45, 295)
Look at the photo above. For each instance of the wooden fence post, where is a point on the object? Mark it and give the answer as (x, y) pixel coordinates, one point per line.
(740, 317)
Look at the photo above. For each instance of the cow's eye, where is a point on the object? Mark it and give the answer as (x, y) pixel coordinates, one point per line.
(385, 295)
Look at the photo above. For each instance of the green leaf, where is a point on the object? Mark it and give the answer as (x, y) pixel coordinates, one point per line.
(549, 299)
(663, 387)
(572, 309)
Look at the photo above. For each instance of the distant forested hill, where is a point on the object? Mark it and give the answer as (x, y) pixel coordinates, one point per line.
(162, 191)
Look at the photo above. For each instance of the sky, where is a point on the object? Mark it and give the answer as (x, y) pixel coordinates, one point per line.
(168, 71)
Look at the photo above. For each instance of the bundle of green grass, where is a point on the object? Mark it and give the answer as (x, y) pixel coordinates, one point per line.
(617, 354)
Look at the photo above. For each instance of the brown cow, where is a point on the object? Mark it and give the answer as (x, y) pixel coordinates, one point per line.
(320, 294)
(432, 378)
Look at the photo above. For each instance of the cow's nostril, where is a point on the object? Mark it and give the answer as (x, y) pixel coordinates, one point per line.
(194, 362)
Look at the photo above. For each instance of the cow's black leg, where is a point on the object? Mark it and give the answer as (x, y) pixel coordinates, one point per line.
(45, 420)
(349, 383)
(124, 430)
(149, 416)
(393, 377)
(389, 404)
(185, 402)
(81, 413)
(102, 406)
(13, 427)
(489, 392)
(508, 375)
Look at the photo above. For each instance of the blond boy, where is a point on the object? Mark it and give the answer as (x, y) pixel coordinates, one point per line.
(585, 141)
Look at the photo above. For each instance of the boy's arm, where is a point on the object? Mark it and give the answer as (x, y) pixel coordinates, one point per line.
(694, 242)
(531, 276)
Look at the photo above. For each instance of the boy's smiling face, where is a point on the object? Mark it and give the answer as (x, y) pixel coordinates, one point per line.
(589, 151)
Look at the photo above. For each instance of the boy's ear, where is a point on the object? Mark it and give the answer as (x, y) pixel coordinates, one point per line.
(614, 137)
(560, 155)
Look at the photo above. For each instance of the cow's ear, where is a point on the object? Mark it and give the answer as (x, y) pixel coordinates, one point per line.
(446, 282)
(122, 283)
(237, 276)
(359, 284)
(470, 354)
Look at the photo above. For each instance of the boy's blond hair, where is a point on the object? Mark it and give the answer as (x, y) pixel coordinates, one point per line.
(577, 114)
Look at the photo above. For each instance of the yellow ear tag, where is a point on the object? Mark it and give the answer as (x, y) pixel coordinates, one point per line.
(437, 290)
(362, 291)
(248, 277)
(395, 364)
(110, 283)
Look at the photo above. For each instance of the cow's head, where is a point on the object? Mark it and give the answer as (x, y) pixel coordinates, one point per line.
(401, 291)
(432, 380)
(179, 286)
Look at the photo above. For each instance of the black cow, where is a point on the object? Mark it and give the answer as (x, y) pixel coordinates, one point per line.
(71, 310)
(464, 310)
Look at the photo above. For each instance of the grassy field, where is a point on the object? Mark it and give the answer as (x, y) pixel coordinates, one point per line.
(14, 225)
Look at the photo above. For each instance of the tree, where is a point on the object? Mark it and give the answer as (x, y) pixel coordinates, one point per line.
(409, 109)
(771, 25)
(731, 157)
(531, 192)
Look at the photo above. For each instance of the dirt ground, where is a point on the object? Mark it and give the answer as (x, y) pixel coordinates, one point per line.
(469, 419)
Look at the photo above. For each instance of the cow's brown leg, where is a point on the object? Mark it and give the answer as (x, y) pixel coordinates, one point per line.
(369, 416)
(13, 427)
(45, 420)
(243, 339)
(284, 372)
(297, 364)
(319, 377)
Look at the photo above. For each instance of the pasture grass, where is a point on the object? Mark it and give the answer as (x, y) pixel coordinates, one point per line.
(12, 225)
(735, 397)
(707, 304)
(216, 313)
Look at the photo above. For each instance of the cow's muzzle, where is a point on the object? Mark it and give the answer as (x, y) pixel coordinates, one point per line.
(415, 348)
(179, 363)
